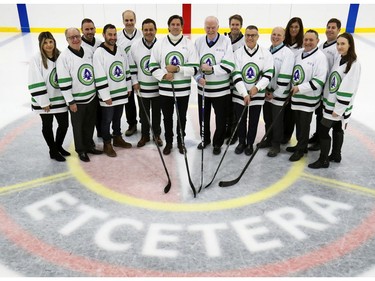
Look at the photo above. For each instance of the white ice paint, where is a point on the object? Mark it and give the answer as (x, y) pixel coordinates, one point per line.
(38, 211)
(161, 240)
(103, 235)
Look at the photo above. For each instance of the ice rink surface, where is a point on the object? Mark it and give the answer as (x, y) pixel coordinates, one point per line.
(110, 217)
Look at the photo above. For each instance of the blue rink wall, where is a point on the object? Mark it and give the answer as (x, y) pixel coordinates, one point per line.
(39, 17)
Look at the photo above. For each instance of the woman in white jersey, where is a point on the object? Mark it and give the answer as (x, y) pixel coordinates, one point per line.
(294, 41)
(339, 93)
(46, 97)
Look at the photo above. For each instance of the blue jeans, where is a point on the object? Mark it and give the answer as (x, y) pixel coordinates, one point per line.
(111, 114)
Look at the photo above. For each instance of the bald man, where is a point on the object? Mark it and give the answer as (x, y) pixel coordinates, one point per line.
(216, 64)
(277, 91)
(125, 38)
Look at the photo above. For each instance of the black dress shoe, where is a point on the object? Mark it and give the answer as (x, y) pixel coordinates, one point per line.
(249, 149)
(201, 146)
(56, 156)
(131, 130)
(63, 152)
(95, 151)
(264, 144)
(84, 157)
(335, 158)
(216, 150)
(291, 148)
(240, 148)
(273, 152)
(294, 149)
(181, 148)
(296, 156)
(319, 164)
(167, 149)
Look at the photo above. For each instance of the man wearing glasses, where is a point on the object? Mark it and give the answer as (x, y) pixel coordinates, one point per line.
(254, 65)
(76, 81)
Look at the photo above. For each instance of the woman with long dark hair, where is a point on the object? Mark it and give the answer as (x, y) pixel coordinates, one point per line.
(339, 94)
(294, 41)
(46, 98)
(294, 34)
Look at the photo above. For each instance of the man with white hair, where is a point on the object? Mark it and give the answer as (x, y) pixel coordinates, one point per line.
(216, 64)
(76, 81)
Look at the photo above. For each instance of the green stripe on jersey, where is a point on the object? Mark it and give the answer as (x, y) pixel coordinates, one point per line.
(37, 85)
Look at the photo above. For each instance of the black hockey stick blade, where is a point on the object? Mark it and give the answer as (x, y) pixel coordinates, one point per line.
(226, 149)
(169, 184)
(236, 180)
(182, 141)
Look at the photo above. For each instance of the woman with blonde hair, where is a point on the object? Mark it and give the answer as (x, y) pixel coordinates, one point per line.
(46, 97)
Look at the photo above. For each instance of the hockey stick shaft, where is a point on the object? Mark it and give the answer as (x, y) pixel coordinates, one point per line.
(226, 149)
(169, 184)
(202, 139)
(233, 182)
(182, 140)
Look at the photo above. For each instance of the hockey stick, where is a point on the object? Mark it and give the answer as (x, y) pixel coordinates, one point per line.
(202, 140)
(226, 149)
(232, 182)
(182, 141)
(169, 184)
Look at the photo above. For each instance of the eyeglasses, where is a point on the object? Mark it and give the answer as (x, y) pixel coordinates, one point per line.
(74, 37)
(251, 35)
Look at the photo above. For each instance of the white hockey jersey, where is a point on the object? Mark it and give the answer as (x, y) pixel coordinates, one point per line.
(91, 45)
(340, 90)
(44, 88)
(112, 75)
(238, 43)
(330, 50)
(283, 59)
(140, 55)
(294, 48)
(76, 75)
(255, 70)
(125, 42)
(181, 53)
(309, 74)
(220, 57)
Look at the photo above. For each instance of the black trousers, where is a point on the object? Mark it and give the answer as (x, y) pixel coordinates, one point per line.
(247, 131)
(220, 105)
(303, 120)
(83, 123)
(270, 111)
(289, 121)
(318, 118)
(230, 116)
(47, 129)
(167, 107)
(152, 104)
(111, 114)
(131, 110)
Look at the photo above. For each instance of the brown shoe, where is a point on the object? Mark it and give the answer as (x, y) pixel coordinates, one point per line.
(158, 141)
(108, 149)
(118, 141)
(143, 141)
